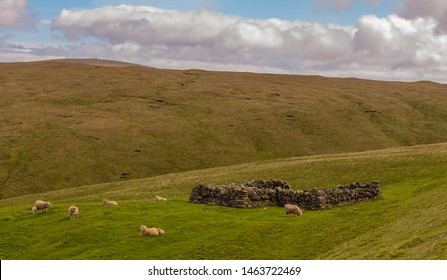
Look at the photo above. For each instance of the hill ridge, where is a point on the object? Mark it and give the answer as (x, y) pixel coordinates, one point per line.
(73, 124)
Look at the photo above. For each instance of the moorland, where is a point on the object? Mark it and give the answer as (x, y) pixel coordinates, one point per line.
(74, 132)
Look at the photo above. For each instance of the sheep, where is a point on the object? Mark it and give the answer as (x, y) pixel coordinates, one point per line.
(159, 198)
(293, 209)
(40, 205)
(109, 202)
(151, 231)
(73, 211)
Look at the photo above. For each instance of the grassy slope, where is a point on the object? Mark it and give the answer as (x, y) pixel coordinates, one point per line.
(409, 223)
(65, 125)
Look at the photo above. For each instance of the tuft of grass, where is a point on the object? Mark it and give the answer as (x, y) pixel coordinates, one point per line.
(410, 222)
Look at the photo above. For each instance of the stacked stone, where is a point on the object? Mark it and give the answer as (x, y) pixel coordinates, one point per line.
(260, 193)
(263, 193)
(257, 193)
(267, 184)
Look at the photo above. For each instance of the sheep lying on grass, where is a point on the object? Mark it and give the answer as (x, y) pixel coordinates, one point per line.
(109, 202)
(151, 231)
(40, 205)
(73, 211)
(293, 209)
(159, 198)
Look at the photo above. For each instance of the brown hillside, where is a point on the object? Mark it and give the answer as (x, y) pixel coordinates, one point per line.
(66, 124)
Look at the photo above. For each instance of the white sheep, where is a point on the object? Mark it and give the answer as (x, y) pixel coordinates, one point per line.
(293, 209)
(159, 198)
(40, 205)
(109, 202)
(73, 211)
(151, 231)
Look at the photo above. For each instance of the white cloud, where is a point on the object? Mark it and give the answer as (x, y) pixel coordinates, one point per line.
(392, 47)
(13, 13)
(400, 43)
(205, 35)
(143, 25)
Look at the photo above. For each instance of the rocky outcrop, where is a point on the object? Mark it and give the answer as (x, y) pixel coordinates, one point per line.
(260, 193)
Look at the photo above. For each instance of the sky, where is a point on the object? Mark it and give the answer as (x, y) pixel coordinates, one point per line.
(402, 40)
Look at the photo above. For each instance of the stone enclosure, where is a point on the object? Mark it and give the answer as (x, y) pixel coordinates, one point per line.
(260, 193)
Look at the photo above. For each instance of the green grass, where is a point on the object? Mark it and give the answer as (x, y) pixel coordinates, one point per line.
(410, 222)
(66, 125)
(69, 131)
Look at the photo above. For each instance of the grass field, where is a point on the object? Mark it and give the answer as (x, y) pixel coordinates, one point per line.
(66, 124)
(74, 132)
(410, 222)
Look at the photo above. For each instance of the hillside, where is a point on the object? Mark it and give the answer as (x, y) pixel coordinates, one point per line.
(410, 222)
(66, 124)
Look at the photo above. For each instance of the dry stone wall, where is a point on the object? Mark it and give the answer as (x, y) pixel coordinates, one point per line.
(260, 193)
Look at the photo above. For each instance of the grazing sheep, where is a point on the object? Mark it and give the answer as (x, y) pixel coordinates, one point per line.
(159, 198)
(73, 211)
(109, 202)
(151, 231)
(41, 205)
(293, 209)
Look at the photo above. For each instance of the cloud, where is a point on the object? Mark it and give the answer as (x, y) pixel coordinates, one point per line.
(391, 47)
(204, 35)
(436, 9)
(14, 13)
(401, 42)
(11, 51)
(334, 5)
(158, 25)
(409, 9)
(340, 6)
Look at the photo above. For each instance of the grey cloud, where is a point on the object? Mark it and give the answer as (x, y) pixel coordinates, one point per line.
(14, 13)
(11, 52)
(340, 6)
(436, 9)
(334, 5)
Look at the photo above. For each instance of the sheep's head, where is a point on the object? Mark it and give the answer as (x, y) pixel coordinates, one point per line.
(143, 228)
(47, 205)
(160, 231)
(104, 200)
(34, 209)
